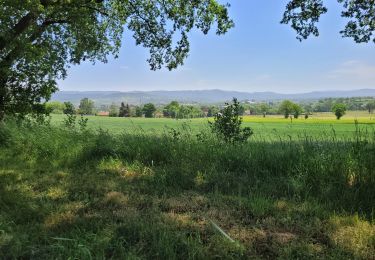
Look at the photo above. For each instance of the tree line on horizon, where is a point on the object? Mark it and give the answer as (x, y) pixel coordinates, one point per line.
(175, 110)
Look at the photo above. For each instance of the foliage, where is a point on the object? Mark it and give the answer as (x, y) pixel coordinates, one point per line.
(69, 108)
(175, 110)
(40, 39)
(82, 122)
(241, 110)
(5, 135)
(353, 103)
(149, 110)
(370, 106)
(286, 108)
(124, 110)
(70, 121)
(171, 110)
(227, 124)
(189, 112)
(303, 15)
(310, 106)
(113, 110)
(55, 107)
(138, 111)
(71, 194)
(86, 107)
(71, 117)
(339, 110)
(264, 108)
(297, 110)
(212, 111)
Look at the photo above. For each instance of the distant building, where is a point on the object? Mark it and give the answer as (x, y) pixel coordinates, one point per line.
(250, 101)
(102, 113)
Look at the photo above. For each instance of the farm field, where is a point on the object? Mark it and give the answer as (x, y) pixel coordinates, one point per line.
(318, 126)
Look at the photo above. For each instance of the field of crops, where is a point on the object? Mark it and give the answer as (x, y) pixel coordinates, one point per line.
(317, 126)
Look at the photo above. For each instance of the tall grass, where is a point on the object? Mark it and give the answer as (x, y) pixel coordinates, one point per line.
(336, 172)
(337, 175)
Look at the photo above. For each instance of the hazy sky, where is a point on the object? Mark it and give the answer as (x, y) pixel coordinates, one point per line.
(259, 54)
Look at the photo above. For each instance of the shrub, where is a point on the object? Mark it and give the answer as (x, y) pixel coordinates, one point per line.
(82, 122)
(227, 124)
(339, 109)
(69, 108)
(70, 121)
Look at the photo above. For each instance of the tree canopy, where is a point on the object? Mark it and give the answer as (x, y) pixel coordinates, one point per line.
(86, 106)
(339, 110)
(286, 108)
(40, 39)
(69, 108)
(149, 110)
(303, 16)
(124, 110)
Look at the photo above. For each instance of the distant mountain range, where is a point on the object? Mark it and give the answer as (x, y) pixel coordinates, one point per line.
(198, 96)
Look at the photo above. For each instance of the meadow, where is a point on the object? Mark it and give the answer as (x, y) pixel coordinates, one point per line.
(270, 128)
(115, 191)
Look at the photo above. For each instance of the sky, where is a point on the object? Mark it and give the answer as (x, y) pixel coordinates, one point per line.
(259, 54)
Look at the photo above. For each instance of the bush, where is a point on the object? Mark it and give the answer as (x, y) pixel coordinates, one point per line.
(70, 121)
(227, 124)
(339, 109)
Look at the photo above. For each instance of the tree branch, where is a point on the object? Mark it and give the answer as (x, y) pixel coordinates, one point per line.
(18, 29)
(50, 22)
(95, 9)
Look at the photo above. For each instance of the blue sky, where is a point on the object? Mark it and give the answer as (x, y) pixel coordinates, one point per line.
(259, 54)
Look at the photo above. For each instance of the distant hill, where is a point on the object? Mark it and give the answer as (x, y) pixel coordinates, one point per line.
(198, 96)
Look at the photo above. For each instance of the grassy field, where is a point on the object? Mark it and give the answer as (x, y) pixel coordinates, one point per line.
(71, 194)
(321, 125)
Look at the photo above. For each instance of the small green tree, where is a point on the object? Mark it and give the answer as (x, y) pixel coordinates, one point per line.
(124, 110)
(286, 108)
(264, 108)
(227, 124)
(212, 111)
(82, 122)
(55, 107)
(86, 107)
(339, 110)
(241, 110)
(113, 110)
(171, 110)
(370, 106)
(69, 108)
(297, 110)
(138, 111)
(149, 110)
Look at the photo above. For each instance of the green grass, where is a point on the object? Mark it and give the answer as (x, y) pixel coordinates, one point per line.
(319, 126)
(94, 195)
